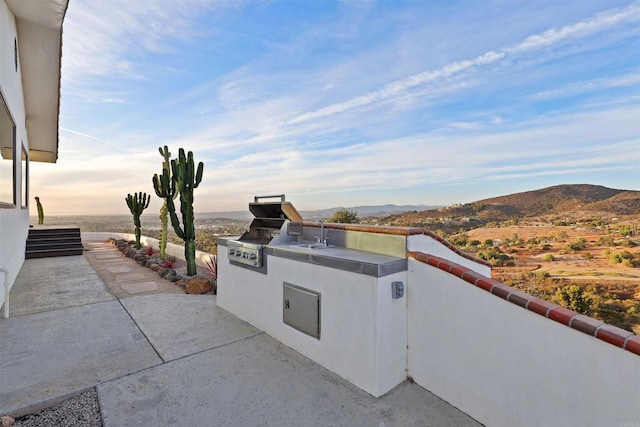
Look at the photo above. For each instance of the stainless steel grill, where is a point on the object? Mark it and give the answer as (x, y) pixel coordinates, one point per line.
(271, 218)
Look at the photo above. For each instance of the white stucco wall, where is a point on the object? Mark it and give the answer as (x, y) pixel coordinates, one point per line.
(429, 245)
(13, 221)
(506, 366)
(363, 330)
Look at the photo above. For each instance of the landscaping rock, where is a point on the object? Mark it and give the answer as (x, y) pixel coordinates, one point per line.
(182, 283)
(171, 275)
(154, 267)
(6, 421)
(167, 271)
(198, 285)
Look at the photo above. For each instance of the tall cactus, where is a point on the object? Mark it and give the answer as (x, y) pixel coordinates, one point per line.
(183, 180)
(137, 203)
(164, 211)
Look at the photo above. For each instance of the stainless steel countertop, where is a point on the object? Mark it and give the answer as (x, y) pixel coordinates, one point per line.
(355, 261)
(338, 257)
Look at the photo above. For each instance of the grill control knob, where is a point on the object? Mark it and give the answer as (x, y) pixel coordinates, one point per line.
(232, 251)
(253, 256)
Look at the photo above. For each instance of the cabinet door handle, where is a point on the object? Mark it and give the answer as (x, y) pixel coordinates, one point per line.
(286, 304)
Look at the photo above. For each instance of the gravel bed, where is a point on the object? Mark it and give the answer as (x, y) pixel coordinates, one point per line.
(81, 411)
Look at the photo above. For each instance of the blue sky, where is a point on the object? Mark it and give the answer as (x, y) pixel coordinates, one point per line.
(344, 103)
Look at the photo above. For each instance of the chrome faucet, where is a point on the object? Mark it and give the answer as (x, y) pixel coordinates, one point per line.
(321, 238)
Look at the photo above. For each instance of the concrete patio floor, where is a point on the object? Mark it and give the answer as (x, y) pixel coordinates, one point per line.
(172, 359)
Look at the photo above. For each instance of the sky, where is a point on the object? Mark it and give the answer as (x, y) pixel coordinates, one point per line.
(344, 103)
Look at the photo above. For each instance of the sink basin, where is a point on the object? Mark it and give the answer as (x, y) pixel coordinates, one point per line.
(311, 246)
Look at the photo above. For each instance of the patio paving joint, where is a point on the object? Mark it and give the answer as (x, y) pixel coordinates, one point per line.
(141, 331)
(186, 356)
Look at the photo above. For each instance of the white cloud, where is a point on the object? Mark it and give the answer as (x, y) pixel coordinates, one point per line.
(108, 38)
(581, 87)
(537, 41)
(398, 87)
(583, 28)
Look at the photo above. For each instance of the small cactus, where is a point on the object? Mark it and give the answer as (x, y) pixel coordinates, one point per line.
(40, 211)
(137, 204)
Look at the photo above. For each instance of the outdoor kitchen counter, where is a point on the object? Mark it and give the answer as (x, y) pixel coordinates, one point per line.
(355, 261)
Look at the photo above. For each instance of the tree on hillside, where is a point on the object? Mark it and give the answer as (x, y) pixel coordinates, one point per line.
(344, 216)
(574, 298)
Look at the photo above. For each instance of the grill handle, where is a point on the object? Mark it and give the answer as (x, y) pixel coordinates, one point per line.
(281, 196)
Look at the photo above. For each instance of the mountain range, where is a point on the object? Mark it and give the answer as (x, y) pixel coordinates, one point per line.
(566, 201)
(571, 200)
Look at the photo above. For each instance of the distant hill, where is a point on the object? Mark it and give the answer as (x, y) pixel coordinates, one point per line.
(562, 200)
(572, 201)
(363, 211)
(568, 200)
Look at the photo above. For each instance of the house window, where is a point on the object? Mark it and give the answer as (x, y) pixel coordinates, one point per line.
(7, 161)
(25, 178)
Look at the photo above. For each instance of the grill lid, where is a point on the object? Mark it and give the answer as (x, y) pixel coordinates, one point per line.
(274, 209)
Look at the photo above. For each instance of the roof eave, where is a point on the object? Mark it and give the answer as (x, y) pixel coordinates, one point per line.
(40, 53)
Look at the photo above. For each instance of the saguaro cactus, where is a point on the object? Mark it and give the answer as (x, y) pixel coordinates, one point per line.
(183, 180)
(164, 211)
(138, 203)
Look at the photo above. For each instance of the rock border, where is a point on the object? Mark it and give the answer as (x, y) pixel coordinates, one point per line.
(199, 284)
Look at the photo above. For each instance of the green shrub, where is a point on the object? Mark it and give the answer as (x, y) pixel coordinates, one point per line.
(344, 216)
(549, 258)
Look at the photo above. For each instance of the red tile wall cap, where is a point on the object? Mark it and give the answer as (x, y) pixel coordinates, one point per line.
(540, 306)
(632, 344)
(486, 284)
(463, 254)
(562, 315)
(379, 229)
(520, 298)
(420, 256)
(472, 277)
(587, 325)
(458, 270)
(613, 335)
(501, 290)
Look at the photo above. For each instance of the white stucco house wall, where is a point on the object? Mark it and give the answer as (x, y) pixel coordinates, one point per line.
(30, 59)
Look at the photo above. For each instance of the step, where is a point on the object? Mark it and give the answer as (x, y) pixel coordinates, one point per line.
(35, 246)
(52, 253)
(51, 232)
(53, 241)
(47, 240)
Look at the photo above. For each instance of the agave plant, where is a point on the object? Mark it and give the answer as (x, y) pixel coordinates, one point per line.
(169, 262)
(149, 250)
(212, 267)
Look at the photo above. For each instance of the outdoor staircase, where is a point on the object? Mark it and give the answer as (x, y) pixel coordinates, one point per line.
(51, 242)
